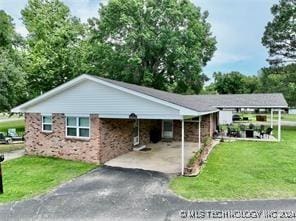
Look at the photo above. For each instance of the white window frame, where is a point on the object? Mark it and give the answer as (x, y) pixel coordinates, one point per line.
(162, 130)
(77, 127)
(42, 124)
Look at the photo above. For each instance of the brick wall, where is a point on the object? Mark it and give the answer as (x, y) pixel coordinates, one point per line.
(116, 138)
(191, 129)
(145, 127)
(56, 144)
(109, 138)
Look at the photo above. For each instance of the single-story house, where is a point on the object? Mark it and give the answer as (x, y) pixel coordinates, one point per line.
(95, 119)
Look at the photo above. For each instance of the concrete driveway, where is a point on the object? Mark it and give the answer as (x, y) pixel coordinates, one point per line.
(163, 157)
(121, 194)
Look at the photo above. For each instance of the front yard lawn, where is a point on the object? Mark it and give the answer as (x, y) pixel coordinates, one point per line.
(245, 170)
(285, 117)
(18, 124)
(30, 175)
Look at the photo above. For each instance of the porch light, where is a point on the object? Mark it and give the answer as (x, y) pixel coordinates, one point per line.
(133, 116)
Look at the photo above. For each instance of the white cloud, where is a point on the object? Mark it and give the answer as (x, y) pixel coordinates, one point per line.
(226, 58)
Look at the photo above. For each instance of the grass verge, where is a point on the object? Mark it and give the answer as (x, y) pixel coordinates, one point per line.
(18, 124)
(31, 175)
(245, 170)
(11, 147)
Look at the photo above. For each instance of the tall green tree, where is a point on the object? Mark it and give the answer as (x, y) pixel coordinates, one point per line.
(12, 76)
(280, 79)
(158, 43)
(54, 41)
(280, 33)
(9, 39)
(235, 83)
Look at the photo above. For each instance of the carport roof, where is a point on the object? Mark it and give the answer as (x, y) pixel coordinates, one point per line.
(204, 103)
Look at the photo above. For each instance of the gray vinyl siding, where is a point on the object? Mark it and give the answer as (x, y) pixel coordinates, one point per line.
(90, 97)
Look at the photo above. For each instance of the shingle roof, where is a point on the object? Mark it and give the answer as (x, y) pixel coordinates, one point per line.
(177, 99)
(207, 103)
(267, 100)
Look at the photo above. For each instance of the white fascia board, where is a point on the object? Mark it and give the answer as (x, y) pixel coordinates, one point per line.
(188, 116)
(141, 116)
(240, 106)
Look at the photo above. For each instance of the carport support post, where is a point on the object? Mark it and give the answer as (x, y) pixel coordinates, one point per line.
(271, 118)
(182, 149)
(279, 124)
(1, 182)
(199, 132)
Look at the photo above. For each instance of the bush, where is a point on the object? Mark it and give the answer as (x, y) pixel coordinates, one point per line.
(207, 141)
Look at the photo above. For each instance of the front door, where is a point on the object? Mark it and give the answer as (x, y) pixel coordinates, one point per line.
(136, 133)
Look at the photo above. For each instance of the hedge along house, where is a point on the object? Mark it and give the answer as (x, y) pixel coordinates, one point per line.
(95, 119)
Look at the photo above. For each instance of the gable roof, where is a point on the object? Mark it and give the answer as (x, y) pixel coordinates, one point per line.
(199, 104)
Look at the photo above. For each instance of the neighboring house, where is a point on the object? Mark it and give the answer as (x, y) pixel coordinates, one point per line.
(292, 111)
(225, 116)
(95, 119)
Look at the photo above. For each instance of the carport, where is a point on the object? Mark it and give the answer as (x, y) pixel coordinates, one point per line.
(161, 156)
(180, 140)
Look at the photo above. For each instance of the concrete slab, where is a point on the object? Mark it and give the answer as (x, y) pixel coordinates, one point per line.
(163, 157)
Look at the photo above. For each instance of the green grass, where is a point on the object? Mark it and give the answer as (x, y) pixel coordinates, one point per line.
(19, 124)
(245, 170)
(11, 147)
(30, 175)
(285, 117)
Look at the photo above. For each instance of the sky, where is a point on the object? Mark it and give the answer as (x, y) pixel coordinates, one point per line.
(237, 24)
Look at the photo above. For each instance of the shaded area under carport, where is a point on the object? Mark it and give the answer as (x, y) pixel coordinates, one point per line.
(163, 157)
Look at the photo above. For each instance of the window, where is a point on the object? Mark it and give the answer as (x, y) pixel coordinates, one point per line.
(167, 129)
(46, 123)
(77, 127)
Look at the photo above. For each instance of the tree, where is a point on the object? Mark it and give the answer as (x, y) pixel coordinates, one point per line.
(235, 83)
(12, 76)
(54, 55)
(8, 37)
(162, 44)
(281, 80)
(12, 82)
(209, 89)
(280, 34)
